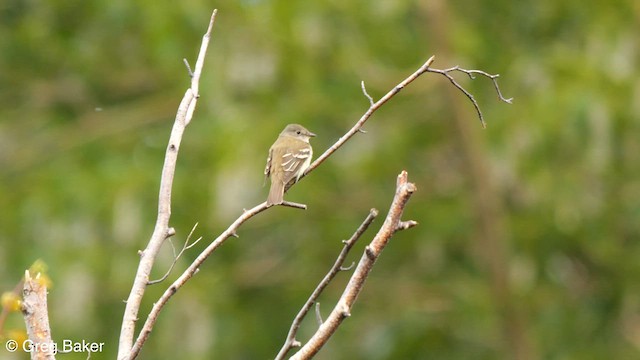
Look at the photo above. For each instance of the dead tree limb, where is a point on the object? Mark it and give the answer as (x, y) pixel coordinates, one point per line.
(162, 231)
(342, 310)
(291, 341)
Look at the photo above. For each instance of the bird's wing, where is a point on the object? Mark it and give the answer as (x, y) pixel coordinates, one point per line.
(293, 163)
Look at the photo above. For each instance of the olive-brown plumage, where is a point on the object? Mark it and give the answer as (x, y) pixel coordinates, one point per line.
(289, 157)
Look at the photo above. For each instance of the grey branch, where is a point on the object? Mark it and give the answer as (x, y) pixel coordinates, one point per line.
(470, 73)
(36, 316)
(186, 64)
(342, 268)
(342, 310)
(291, 341)
(294, 205)
(373, 106)
(177, 256)
(363, 119)
(188, 274)
(364, 90)
(161, 230)
(318, 314)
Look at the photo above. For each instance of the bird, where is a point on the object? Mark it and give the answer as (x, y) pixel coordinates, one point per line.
(289, 157)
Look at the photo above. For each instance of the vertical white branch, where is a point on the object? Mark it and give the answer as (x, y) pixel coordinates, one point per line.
(162, 230)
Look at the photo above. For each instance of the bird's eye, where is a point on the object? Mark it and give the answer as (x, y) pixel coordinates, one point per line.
(298, 132)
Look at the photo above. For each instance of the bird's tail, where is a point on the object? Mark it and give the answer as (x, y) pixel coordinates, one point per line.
(276, 193)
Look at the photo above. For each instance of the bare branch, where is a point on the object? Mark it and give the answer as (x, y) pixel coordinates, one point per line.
(404, 225)
(470, 73)
(291, 341)
(231, 231)
(294, 205)
(318, 315)
(494, 79)
(372, 108)
(186, 63)
(342, 310)
(364, 90)
(426, 67)
(161, 230)
(177, 256)
(36, 317)
(342, 268)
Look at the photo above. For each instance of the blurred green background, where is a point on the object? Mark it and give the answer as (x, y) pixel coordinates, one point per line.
(527, 246)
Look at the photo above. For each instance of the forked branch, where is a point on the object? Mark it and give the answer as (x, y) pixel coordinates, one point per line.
(162, 231)
(177, 256)
(471, 74)
(342, 310)
(375, 105)
(291, 341)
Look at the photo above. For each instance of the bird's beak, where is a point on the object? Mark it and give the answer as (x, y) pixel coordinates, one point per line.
(310, 134)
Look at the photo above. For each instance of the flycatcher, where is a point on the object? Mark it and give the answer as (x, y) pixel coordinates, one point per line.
(288, 159)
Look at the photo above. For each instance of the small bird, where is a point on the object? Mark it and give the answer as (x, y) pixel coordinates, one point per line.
(288, 159)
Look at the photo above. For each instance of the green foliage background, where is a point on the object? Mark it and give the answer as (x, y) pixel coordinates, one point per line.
(88, 92)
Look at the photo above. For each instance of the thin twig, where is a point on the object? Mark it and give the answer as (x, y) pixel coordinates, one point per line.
(470, 73)
(187, 274)
(318, 314)
(291, 341)
(364, 90)
(186, 63)
(177, 256)
(342, 310)
(294, 205)
(342, 268)
(404, 225)
(161, 230)
(494, 79)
